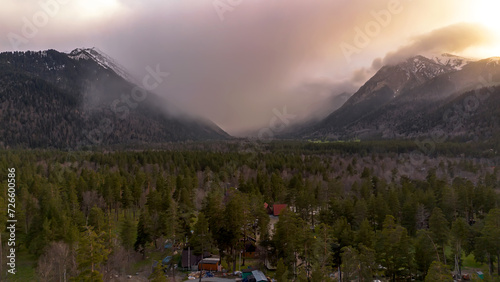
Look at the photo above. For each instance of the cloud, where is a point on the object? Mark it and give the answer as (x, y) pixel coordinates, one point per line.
(262, 55)
(454, 38)
(320, 95)
(450, 39)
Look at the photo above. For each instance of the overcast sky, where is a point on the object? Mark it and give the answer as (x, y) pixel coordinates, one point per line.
(234, 61)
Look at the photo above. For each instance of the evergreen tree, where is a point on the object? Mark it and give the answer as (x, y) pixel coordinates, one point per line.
(460, 232)
(201, 240)
(158, 275)
(128, 233)
(143, 233)
(281, 271)
(438, 272)
(438, 226)
(365, 234)
(91, 253)
(490, 236)
(425, 252)
(393, 248)
(358, 265)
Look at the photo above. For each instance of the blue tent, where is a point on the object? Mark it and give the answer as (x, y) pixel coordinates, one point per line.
(166, 260)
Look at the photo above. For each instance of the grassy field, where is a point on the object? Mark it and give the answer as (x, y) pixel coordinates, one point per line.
(25, 265)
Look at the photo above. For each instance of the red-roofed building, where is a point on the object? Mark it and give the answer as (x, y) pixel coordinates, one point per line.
(278, 208)
(268, 208)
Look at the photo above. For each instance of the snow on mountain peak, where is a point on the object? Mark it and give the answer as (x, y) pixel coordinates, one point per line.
(423, 68)
(102, 59)
(494, 61)
(431, 65)
(453, 61)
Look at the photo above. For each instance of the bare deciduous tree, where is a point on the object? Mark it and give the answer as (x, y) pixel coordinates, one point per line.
(91, 199)
(57, 263)
(118, 263)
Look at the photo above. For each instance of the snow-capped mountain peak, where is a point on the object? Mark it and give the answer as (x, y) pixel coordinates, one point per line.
(453, 61)
(393, 79)
(102, 59)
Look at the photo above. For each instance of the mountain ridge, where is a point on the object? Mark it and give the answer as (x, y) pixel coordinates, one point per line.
(403, 92)
(50, 99)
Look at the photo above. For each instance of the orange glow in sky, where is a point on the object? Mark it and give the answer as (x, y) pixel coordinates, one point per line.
(252, 56)
(486, 12)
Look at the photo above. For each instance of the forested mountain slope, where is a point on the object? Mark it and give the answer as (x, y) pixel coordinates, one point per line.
(53, 99)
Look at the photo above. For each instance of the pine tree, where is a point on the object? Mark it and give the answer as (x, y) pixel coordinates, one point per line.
(393, 248)
(438, 226)
(281, 271)
(358, 265)
(143, 233)
(460, 231)
(438, 272)
(425, 251)
(201, 240)
(91, 253)
(127, 233)
(490, 236)
(158, 274)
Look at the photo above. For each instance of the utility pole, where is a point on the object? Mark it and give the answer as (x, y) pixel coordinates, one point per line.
(202, 255)
(189, 254)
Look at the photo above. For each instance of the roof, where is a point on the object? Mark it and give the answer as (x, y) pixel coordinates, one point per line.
(266, 205)
(278, 208)
(259, 276)
(210, 261)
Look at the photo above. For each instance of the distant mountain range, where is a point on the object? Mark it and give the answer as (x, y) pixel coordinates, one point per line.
(84, 98)
(449, 96)
(51, 99)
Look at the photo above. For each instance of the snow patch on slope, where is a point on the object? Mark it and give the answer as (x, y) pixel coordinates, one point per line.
(102, 59)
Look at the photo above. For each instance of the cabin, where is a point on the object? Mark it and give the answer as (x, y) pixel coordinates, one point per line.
(278, 208)
(275, 209)
(210, 264)
(250, 250)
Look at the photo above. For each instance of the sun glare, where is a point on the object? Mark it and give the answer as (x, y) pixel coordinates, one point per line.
(97, 8)
(485, 12)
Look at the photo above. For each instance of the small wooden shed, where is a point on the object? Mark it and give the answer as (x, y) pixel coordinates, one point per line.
(209, 264)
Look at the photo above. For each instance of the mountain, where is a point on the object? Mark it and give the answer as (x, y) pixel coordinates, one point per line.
(409, 99)
(105, 61)
(84, 98)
